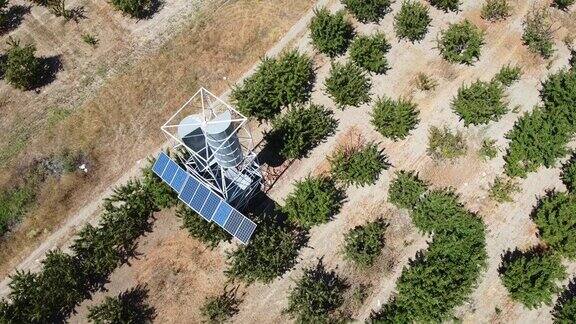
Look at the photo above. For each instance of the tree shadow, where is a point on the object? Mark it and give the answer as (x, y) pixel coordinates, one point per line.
(15, 16)
(50, 67)
(566, 296)
(270, 155)
(134, 300)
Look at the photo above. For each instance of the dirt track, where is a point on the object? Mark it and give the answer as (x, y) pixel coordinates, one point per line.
(180, 274)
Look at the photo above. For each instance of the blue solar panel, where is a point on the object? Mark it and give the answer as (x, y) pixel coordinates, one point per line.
(221, 215)
(188, 191)
(170, 171)
(160, 164)
(210, 206)
(245, 230)
(199, 199)
(179, 180)
(233, 222)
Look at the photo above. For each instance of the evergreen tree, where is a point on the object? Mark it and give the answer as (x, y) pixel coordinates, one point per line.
(330, 33)
(363, 244)
(446, 5)
(22, 69)
(461, 43)
(406, 189)
(412, 21)
(359, 166)
(556, 223)
(395, 118)
(368, 10)
(348, 85)
(129, 307)
(480, 103)
(206, 232)
(369, 52)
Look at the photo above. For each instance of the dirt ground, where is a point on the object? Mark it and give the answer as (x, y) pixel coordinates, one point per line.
(180, 273)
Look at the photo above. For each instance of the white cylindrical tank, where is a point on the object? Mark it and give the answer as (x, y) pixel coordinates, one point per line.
(223, 141)
(191, 134)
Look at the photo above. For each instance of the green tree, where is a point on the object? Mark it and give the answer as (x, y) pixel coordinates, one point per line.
(369, 52)
(412, 21)
(348, 85)
(445, 144)
(568, 174)
(220, 308)
(564, 311)
(480, 103)
(508, 75)
(273, 251)
(559, 91)
(22, 69)
(162, 195)
(359, 166)
(135, 8)
(461, 43)
(330, 33)
(206, 232)
(3, 13)
(128, 307)
(394, 118)
(368, 10)
(554, 217)
(406, 189)
(277, 83)
(496, 10)
(563, 4)
(531, 277)
(314, 201)
(301, 129)
(446, 5)
(363, 244)
(538, 33)
(316, 295)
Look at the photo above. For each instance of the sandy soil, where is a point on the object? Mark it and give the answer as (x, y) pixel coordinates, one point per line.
(180, 274)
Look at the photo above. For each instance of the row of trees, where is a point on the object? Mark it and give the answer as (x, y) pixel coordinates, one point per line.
(67, 279)
(440, 278)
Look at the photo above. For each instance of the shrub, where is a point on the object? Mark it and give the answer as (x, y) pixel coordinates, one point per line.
(406, 189)
(161, 194)
(363, 244)
(348, 85)
(330, 33)
(219, 309)
(461, 43)
(531, 277)
(4, 14)
(369, 52)
(568, 174)
(565, 309)
(314, 201)
(508, 75)
(206, 232)
(538, 33)
(14, 203)
(21, 68)
(495, 10)
(488, 150)
(446, 5)
(277, 83)
(128, 307)
(358, 166)
(425, 82)
(444, 144)
(563, 4)
(368, 10)
(135, 8)
(412, 21)
(480, 103)
(394, 119)
(301, 129)
(316, 295)
(435, 209)
(502, 189)
(559, 91)
(273, 250)
(554, 217)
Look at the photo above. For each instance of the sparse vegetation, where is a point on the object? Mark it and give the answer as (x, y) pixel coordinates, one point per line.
(461, 43)
(406, 189)
(489, 149)
(538, 34)
(363, 244)
(22, 69)
(444, 144)
(446, 5)
(532, 277)
(358, 165)
(554, 217)
(412, 21)
(90, 39)
(508, 75)
(425, 82)
(503, 188)
(138, 9)
(206, 232)
(495, 10)
(348, 85)
(314, 201)
(330, 33)
(480, 103)
(277, 83)
(317, 294)
(220, 308)
(394, 118)
(128, 307)
(300, 130)
(368, 10)
(369, 52)
(568, 174)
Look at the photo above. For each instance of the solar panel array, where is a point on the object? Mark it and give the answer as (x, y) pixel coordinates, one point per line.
(202, 200)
